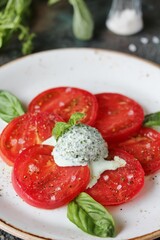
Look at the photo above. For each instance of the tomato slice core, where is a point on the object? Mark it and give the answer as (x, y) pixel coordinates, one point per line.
(41, 183)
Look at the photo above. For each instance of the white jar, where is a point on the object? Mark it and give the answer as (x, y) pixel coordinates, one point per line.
(125, 17)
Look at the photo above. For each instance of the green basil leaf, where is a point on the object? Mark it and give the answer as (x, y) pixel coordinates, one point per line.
(61, 127)
(83, 24)
(152, 120)
(90, 216)
(75, 118)
(10, 106)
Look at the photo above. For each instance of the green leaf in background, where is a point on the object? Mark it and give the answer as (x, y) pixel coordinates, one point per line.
(90, 216)
(83, 24)
(62, 127)
(10, 106)
(2, 3)
(15, 13)
(152, 120)
(12, 16)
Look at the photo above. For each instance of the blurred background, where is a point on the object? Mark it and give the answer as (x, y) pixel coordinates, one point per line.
(52, 25)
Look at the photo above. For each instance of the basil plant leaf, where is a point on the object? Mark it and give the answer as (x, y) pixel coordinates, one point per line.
(75, 118)
(83, 24)
(13, 16)
(152, 120)
(90, 216)
(62, 127)
(10, 106)
(59, 129)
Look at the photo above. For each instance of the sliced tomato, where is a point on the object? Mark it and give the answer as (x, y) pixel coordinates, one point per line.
(146, 148)
(24, 131)
(119, 117)
(119, 186)
(41, 183)
(65, 101)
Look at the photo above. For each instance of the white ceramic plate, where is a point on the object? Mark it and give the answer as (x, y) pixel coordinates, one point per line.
(96, 71)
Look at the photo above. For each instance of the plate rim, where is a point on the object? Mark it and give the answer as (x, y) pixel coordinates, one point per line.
(96, 50)
(17, 232)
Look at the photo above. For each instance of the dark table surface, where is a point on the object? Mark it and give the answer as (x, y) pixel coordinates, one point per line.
(52, 26)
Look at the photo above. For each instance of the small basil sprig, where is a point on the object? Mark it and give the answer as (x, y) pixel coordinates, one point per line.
(10, 106)
(62, 127)
(90, 216)
(152, 120)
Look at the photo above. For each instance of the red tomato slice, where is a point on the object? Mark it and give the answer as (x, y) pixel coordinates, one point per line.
(119, 117)
(65, 101)
(119, 186)
(41, 183)
(24, 131)
(146, 148)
